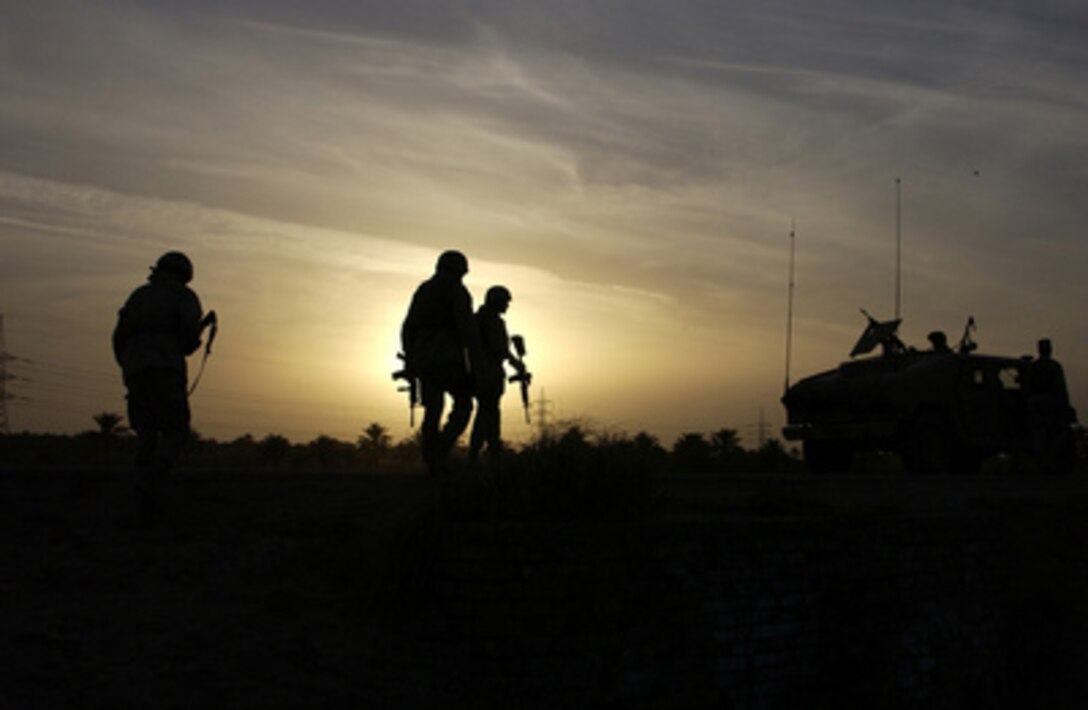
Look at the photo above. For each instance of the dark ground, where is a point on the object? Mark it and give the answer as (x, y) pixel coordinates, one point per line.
(253, 591)
(265, 590)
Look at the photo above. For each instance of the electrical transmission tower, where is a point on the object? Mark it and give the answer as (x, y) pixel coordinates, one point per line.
(763, 428)
(5, 426)
(542, 409)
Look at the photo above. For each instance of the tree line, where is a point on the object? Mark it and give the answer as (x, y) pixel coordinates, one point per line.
(111, 443)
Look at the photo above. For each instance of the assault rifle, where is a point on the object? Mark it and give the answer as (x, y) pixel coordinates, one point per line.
(411, 386)
(523, 376)
(967, 344)
(211, 320)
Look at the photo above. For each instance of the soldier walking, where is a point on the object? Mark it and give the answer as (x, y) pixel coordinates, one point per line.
(158, 326)
(441, 347)
(491, 375)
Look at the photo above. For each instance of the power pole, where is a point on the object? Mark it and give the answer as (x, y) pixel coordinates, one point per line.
(762, 428)
(542, 409)
(5, 425)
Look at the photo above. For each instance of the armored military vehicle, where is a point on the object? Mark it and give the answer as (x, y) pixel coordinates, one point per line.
(942, 409)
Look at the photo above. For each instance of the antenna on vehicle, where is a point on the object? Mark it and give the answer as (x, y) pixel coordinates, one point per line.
(898, 245)
(789, 309)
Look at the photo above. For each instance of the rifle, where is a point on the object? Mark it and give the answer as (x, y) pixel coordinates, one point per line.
(210, 319)
(523, 376)
(966, 343)
(411, 386)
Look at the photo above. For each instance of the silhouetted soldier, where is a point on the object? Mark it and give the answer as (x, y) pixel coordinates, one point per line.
(158, 326)
(938, 342)
(491, 375)
(441, 345)
(1049, 411)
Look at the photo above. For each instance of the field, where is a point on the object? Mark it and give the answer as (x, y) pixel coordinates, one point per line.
(270, 590)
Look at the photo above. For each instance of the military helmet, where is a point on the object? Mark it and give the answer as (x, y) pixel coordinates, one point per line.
(452, 261)
(497, 296)
(176, 263)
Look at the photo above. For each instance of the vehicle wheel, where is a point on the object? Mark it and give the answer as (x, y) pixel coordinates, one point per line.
(823, 457)
(930, 447)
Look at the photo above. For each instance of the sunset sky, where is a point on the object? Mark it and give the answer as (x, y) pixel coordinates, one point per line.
(629, 170)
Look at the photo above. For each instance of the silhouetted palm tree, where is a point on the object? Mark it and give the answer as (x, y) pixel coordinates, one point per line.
(375, 438)
(374, 446)
(109, 429)
(727, 452)
(692, 453)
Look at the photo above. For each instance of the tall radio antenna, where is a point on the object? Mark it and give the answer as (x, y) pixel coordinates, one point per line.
(898, 246)
(789, 309)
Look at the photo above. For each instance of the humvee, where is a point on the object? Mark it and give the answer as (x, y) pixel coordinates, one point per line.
(941, 410)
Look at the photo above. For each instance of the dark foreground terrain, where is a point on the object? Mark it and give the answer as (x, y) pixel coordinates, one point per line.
(273, 590)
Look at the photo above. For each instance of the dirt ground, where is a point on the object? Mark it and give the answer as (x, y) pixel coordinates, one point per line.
(258, 590)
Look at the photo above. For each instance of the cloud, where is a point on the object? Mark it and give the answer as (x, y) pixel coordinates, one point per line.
(638, 163)
(304, 310)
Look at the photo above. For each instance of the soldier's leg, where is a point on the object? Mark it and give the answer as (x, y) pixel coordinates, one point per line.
(494, 444)
(1037, 428)
(486, 428)
(141, 418)
(144, 480)
(482, 425)
(167, 452)
(476, 438)
(460, 412)
(166, 421)
(174, 418)
(433, 399)
(1056, 459)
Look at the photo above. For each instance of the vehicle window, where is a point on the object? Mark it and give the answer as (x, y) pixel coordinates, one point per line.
(1010, 378)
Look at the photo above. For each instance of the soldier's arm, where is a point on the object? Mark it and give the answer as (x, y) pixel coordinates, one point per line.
(408, 335)
(509, 354)
(190, 315)
(127, 323)
(121, 333)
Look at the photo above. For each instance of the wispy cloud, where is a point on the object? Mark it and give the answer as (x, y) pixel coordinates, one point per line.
(639, 164)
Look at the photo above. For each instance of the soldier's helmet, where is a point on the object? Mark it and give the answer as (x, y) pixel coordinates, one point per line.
(176, 263)
(497, 296)
(453, 262)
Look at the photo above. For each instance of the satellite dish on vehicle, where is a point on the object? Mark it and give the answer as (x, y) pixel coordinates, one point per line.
(877, 333)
